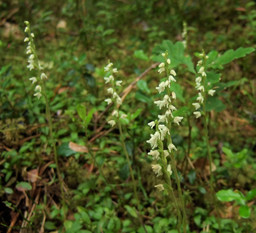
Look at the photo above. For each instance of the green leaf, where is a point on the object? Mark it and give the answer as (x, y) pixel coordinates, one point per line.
(124, 172)
(183, 111)
(244, 211)
(143, 98)
(175, 53)
(131, 211)
(228, 152)
(192, 176)
(64, 150)
(8, 190)
(212, 77)
(231, 55)
(81, 110)
(143, 86)
(177, 89)
(84, 215)
(140, 55)
(251, 194)
(228, 195)
(49, 225)
(212, 56)
(213, 103)
(23, 186)
(136, 114)
(89, 117)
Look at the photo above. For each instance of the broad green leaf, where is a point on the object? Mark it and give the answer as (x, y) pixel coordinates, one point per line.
(49, 225)
(211, 57)
(143, 98)
(143, 86)
(228, 195)
(228, 152)
(8, 190)
(212, 77)
(251, 194)
(213, 103)
(140, 55)
(131, 211)
(175, 53)
(23, 186)
(175, 87)
(81, 110)
(231, 55)
(64, 150)
(84, 215)
(244, 211)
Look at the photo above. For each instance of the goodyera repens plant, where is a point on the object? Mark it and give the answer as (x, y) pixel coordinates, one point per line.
(39, 79)
(161, 142)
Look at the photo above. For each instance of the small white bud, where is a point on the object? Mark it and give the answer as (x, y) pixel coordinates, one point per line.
(112, 122)
(33, 79)
(109, 101)
(43, 76)
(211, 92)
(197, 114)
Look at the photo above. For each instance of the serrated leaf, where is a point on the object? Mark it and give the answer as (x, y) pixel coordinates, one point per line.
(131, 211)
(244, 211)
(213, 103)
(140, 55)
(231, 55)
(175, 53)
(143, 86)
(175, 87)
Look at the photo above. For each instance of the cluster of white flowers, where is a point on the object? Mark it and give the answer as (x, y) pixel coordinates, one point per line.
(200, 86)
(33, 63)
(161, 124)
(115, 98)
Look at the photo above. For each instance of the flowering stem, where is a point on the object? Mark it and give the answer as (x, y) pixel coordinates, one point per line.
(168, 181)
(52, 140)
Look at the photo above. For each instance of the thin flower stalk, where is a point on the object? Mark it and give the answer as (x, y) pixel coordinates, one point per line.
(115, 120)
(160, 141)
(204, 91)
(39, 82)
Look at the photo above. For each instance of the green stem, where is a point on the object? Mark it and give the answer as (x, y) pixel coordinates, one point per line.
(52, 140)
(181, 199)
(131, 172)
(168, 181)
